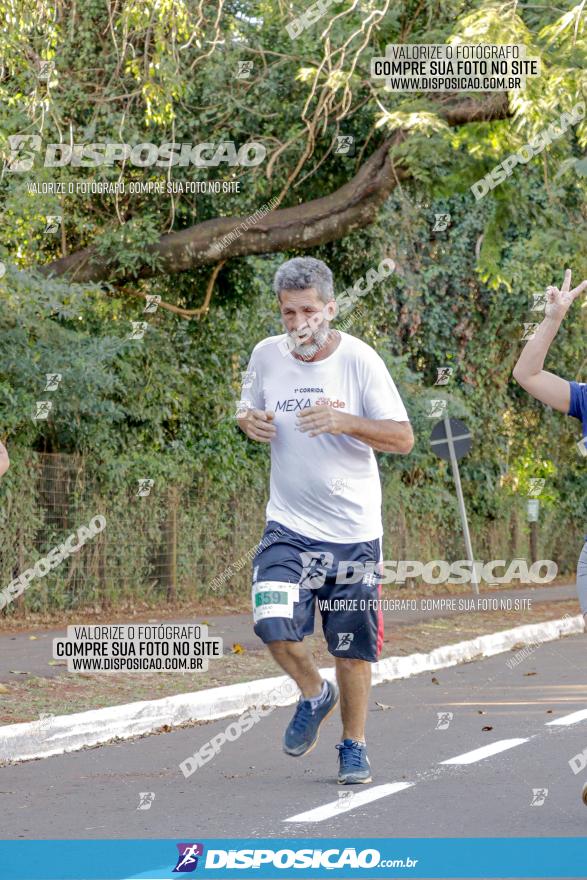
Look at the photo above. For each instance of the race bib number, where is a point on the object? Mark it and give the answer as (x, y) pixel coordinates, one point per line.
(274, 599)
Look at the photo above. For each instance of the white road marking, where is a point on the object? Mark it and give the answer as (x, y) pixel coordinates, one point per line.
(356, 799)
(485, 751)
(573, 718)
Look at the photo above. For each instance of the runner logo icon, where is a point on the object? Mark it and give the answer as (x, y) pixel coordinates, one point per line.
(315, 569)
(344, 641)
(187, 860)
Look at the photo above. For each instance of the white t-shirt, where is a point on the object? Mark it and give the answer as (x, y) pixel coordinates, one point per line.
(324, 487)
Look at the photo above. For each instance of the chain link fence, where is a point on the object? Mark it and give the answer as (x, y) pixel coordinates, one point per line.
(168, 544)
(161, 544)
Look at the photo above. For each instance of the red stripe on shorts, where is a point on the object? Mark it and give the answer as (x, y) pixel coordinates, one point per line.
(380, 627)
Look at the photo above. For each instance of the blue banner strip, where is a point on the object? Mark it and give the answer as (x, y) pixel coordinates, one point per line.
(272, 858)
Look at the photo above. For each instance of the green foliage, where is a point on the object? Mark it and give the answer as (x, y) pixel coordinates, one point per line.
(162, 407)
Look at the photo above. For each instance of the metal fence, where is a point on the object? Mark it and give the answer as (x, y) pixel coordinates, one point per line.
(161, 543)
(171, 543)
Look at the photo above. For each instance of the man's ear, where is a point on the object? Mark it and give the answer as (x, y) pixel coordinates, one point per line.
(330, 310)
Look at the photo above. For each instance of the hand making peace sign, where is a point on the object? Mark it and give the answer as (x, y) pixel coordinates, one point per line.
(559, 301)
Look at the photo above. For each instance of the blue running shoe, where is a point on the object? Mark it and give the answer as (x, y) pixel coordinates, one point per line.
(353, 763)
(302, 731)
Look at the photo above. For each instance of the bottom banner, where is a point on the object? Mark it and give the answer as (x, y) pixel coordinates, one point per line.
(367, 858)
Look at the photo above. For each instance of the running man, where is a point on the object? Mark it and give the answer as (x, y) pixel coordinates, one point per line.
(4, 460)
(324, 400)
(568, 397)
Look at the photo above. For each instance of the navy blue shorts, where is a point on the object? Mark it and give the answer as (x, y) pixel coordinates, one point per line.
(291, 573)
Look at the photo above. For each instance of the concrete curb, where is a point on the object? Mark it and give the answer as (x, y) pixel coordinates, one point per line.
(68, 733)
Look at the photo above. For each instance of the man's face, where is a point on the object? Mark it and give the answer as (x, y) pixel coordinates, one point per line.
(304, 317)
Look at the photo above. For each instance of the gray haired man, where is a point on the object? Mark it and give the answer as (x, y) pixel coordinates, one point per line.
(324, 401)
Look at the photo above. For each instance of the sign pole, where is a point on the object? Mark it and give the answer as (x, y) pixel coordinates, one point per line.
(533, 508)
(461, 501)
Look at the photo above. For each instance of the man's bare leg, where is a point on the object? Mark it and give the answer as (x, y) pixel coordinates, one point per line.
(296, 659)
(354, 681)
(301, 734)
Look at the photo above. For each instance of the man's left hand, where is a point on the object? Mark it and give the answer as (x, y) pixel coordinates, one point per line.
(317, 420)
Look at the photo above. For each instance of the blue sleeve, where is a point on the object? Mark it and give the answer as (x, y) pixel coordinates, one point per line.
(578, 407)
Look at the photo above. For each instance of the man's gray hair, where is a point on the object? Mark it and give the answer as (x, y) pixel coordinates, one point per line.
(302, 273)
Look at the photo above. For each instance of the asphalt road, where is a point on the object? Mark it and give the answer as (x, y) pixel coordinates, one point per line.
(251, 789)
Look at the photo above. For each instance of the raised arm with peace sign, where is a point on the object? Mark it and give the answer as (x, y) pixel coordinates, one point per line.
(528, 372)
(568, 397)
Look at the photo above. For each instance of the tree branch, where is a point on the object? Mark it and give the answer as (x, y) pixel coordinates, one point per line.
(177, 310)
(353, 206)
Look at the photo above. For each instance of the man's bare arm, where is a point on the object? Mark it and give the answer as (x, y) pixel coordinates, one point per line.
(383, 435)
(4, 460)
(528, 372)
(544, 386)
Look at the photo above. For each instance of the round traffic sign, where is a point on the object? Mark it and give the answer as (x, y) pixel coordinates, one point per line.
(457, 435)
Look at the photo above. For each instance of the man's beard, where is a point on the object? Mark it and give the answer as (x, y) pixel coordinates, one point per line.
(309, 349)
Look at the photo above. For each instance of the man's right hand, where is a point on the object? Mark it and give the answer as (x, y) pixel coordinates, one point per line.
(559, 301)
(258, 425)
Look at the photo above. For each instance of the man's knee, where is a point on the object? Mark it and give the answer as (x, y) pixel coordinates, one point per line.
(353, 666)
(285, 646)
